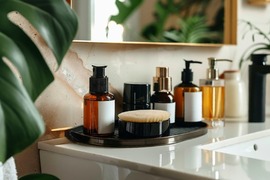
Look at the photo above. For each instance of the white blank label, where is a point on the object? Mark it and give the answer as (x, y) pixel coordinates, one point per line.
(193, 106)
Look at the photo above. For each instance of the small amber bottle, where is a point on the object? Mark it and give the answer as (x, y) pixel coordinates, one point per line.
(162, 98)
(187, 94)
(99, 105)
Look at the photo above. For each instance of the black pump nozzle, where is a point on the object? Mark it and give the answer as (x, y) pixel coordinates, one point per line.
(187, 74)
(99, 71)
(188, 62)
(98, 82)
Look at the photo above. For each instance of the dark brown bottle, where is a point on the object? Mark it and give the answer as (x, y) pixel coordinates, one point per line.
(163, 99)
(99, 105)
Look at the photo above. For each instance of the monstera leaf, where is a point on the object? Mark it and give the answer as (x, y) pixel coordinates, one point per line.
(20, 122)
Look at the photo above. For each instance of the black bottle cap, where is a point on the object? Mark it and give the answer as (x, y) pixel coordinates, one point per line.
(136, 93)
(187, 74)
(156, 87)
(98, 81)
(259, 59)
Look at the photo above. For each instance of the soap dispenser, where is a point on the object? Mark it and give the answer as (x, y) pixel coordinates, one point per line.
(257, 86)
(99, 105)
(188, 97)
(213, 95)
(162, 98)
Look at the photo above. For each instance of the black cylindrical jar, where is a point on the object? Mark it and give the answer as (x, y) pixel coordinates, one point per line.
(136, 96)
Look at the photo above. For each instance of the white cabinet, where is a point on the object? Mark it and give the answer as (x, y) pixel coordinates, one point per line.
(69, 165)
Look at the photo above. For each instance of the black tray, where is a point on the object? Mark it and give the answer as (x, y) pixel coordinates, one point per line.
(175, 135)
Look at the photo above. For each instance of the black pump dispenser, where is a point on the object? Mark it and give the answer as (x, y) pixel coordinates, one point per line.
(183, 93)
(98, 106)
(187, 74)
(98, 81)
(257, 87)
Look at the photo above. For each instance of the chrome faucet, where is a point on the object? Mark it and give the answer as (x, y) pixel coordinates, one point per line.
(257, 87)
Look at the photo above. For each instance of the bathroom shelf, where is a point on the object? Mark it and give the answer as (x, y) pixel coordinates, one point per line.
(175, 135)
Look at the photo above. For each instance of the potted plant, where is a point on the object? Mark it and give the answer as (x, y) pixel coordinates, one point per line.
(255, 47)
(20, 122)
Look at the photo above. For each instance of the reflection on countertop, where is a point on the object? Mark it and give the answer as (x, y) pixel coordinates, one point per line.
(178, 161)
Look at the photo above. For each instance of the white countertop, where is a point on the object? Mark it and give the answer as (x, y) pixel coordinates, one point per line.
(185, 159)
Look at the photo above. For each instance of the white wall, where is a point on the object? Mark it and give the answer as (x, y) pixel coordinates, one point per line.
(138, 62)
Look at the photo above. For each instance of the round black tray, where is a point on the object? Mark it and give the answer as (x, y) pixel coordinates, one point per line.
(175, 135)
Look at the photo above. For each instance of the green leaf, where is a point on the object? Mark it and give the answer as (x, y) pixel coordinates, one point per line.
(256, 46)
(252, 49)
(193, 30)
(125, 9)
(2, 134)
(20, 122)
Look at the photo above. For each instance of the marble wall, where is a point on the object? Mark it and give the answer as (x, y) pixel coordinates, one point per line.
(61, 103)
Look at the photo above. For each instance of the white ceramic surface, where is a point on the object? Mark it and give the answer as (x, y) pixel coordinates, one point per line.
(255, 145)
(184, 160)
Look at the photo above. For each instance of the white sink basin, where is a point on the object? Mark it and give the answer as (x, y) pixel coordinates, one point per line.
(255, 145)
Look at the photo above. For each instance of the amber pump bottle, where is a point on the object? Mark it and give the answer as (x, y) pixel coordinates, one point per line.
(99, 105)
(186, 89)
(162, 98)
(213, 95)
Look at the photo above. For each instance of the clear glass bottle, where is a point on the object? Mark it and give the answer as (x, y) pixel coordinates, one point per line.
(162, 98)
(99, 105)
(213, 95)
(186, 86)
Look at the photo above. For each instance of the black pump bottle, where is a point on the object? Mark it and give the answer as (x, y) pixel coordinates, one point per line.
(186, 86)
(257, 87)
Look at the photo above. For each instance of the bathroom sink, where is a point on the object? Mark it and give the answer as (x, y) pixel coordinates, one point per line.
(255, 145)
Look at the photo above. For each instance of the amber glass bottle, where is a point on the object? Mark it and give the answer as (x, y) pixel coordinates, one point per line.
(191, 90)
(99, 105)
(179, 91)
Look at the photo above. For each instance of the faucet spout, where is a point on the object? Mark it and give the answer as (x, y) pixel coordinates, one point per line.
(257, 87)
